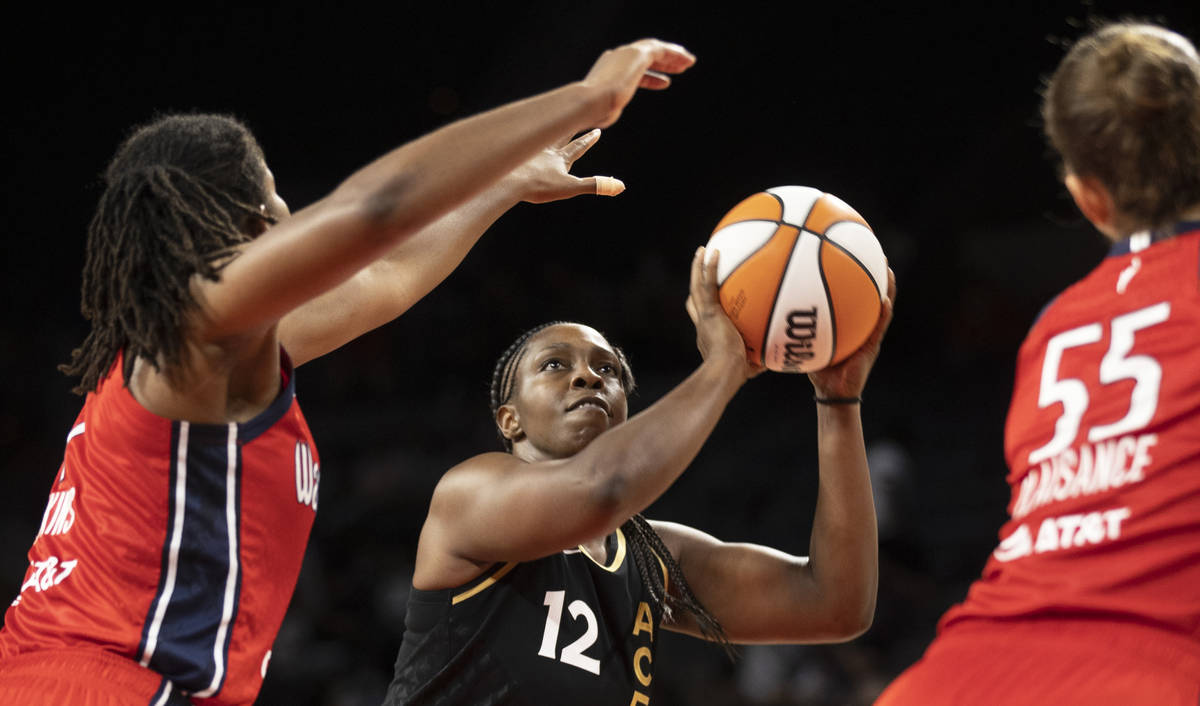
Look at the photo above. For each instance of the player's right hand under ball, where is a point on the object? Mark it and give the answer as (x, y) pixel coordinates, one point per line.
(849, 377)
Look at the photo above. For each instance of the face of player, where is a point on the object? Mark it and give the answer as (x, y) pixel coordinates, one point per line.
(568, 392)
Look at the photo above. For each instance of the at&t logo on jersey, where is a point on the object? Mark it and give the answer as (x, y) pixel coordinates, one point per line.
(46, 574)
(308, 476)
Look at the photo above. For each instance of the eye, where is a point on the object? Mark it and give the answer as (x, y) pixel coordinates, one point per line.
(552, 364)
(606, 369)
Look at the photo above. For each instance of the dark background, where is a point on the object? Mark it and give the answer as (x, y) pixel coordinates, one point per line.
(923, 118)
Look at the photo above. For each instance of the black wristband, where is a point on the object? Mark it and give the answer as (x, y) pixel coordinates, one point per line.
(837, 400)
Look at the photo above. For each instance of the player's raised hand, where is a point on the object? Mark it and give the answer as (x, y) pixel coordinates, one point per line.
(849, 377)
(715, 333)
(618, 73)
(547, 177)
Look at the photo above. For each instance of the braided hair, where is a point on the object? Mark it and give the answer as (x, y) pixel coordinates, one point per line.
(645, 544)
(179, 196)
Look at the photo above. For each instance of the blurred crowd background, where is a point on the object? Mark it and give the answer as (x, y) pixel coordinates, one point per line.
(922, 116)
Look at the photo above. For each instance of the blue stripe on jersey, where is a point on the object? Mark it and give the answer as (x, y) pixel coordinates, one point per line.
(168, 695)
(1140, 240)
(191, 620)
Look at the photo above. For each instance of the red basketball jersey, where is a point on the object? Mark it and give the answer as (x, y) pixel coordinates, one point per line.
(174, 544)
(1103, 447)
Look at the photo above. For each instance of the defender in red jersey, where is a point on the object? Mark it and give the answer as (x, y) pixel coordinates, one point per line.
(175, 528)
(1093, 594)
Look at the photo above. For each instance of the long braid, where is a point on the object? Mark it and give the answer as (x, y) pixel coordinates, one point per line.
(644, 543)
(176, 201)
(648, 548)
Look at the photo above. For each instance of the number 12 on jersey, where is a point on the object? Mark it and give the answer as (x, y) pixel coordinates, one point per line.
(572, 654)
(1117, 364)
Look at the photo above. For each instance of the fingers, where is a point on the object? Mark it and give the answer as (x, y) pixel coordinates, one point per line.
(704, 279)
(666, 57)
(578, 147)
(607, 186)
(691, 310)
(697, 275)
(654, 81)
(600, 186)
(711, 259)
(889, 303)
(886, 310)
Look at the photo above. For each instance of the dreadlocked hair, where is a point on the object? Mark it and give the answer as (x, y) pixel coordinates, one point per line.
(177, 200)
(646, 546)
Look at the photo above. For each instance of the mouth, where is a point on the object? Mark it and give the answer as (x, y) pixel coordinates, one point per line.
(591, 403)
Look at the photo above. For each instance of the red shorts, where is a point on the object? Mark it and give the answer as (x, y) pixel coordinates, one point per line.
(1053, 663)
(82, 677)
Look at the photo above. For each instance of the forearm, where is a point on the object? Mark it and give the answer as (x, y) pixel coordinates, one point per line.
(391, 285)
(383, 204)
(432, 253)
(843, 551)
(635, 462)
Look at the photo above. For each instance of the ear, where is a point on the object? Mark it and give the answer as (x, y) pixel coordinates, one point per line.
(254, 226)
(509, 422)
(1094, 201)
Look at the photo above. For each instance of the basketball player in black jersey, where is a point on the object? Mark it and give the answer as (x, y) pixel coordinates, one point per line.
(537, 582)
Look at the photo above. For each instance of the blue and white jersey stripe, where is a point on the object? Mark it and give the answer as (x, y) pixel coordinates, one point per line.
(188, 628)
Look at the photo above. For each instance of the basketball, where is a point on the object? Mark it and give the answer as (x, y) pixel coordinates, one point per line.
(801, 275)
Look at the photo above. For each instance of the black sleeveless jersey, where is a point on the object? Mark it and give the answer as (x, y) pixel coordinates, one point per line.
(560, 630)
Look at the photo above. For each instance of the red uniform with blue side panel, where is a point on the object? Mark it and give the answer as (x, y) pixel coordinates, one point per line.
(172, 546)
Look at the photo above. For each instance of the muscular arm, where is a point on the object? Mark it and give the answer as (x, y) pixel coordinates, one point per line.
(760, 594)
(497, 507)
(391, 285)
(402, 192)
(763, 595)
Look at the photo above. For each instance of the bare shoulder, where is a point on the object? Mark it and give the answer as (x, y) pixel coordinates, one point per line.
(467, 476)
(444, 556)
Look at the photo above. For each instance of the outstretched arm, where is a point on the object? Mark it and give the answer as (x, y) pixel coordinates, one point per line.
(763, 595)
(389, 286)
(396, 196)
(497, 507)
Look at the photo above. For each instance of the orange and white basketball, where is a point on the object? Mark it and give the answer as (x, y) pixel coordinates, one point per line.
(801, 275)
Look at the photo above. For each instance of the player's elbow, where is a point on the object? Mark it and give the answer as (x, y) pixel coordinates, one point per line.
(608, 496)
(380, 209)
(851, 616)
(855, 622)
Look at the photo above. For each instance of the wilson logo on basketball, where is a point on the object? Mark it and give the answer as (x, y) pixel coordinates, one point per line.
(308, 476)
(801, 330)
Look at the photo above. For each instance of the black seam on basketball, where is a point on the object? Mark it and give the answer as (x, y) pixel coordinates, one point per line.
(755, 251)
(777, 221)
(782, 205)
(829, 302)
(850, 255)
(775, 297)
(811, 206)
